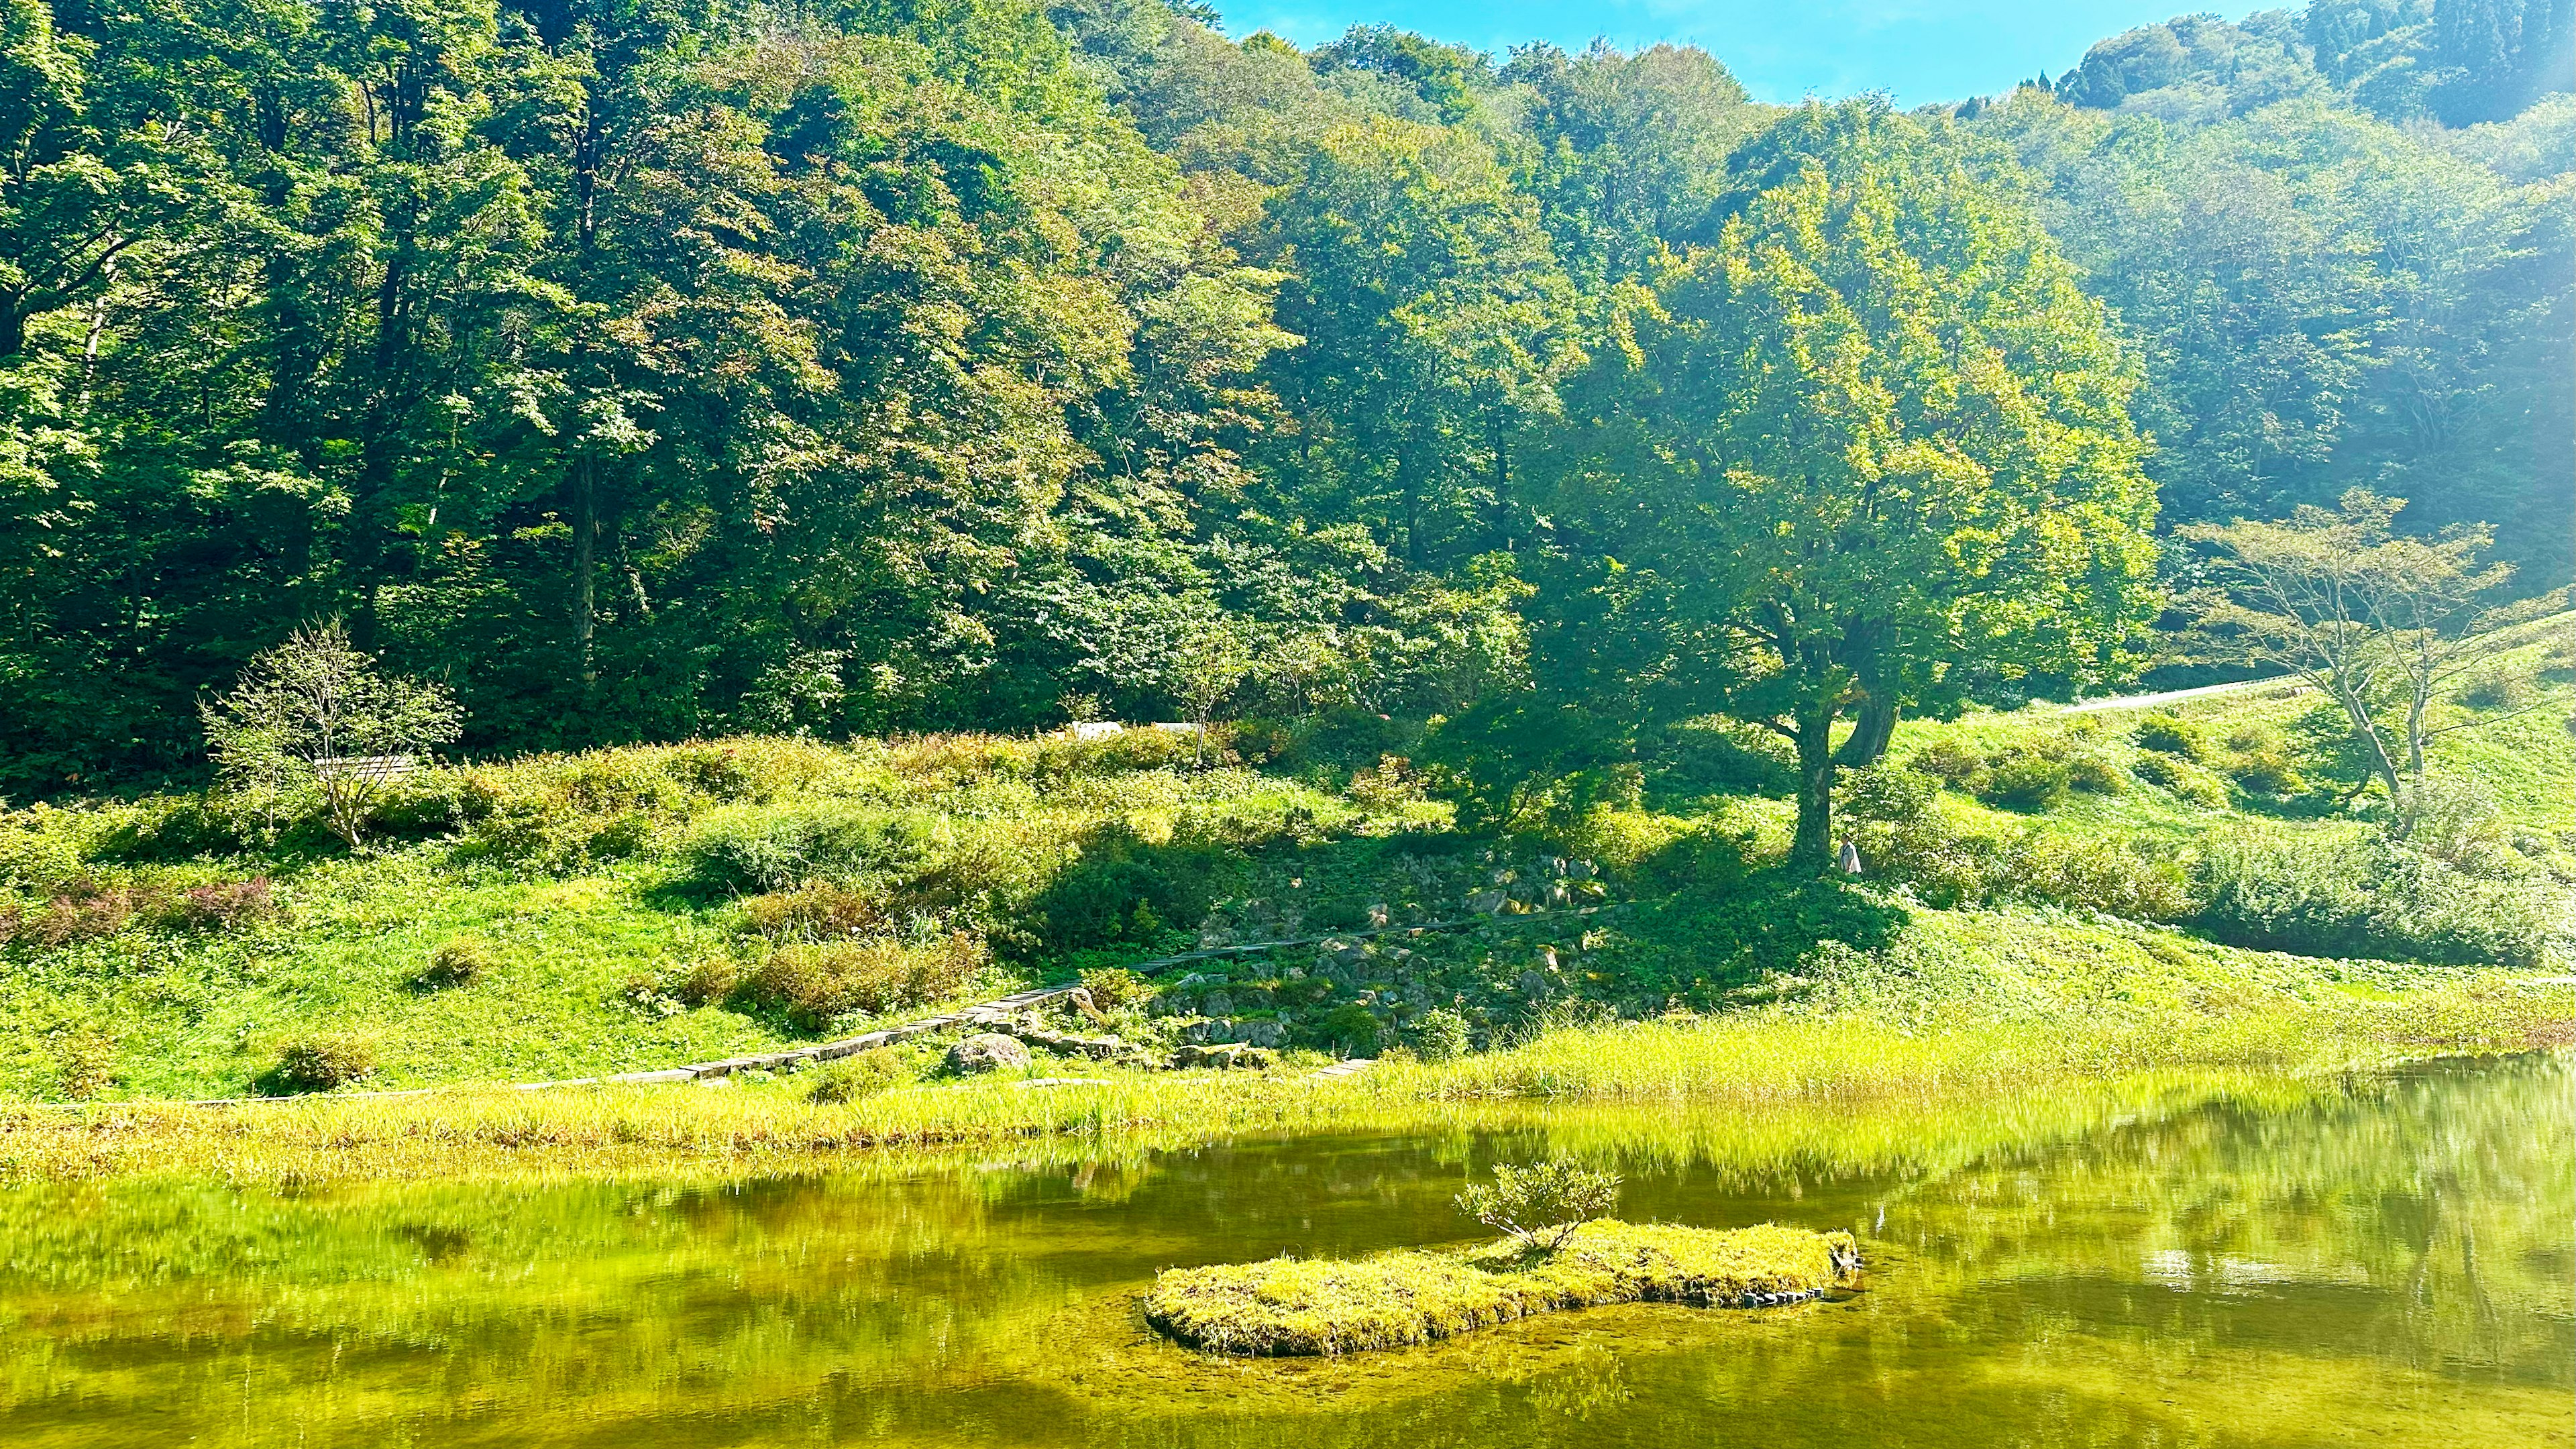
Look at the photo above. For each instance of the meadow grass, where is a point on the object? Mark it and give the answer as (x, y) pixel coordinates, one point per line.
(1751, 1061)
(1287, 1306)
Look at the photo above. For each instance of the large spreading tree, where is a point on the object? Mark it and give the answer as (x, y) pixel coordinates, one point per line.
(1870, 447)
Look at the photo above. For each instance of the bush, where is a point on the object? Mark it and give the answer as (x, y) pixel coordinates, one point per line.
(702, 982)
(2369, 897)
(2141, 880)
(319, 1064)
(2096, 774)
(812, 985)
(1122, 890)
(861, 1075)
(2025, 780)
(1112, 987)
(460, 962)
(1440, 1035)
(2490, 692)
(2187, 781)
(815, 911)
(743, 848)
(2172, 734)
(1349, 1027)
(85, 1065)
(1951, 760)
(1543, 1202)
(1699, 942)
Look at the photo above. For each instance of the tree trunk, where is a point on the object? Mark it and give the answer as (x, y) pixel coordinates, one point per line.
(585, 550)
(1871, 731)
(1813, 851)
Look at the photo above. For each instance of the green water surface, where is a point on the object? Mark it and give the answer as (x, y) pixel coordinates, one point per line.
(2380, 1260)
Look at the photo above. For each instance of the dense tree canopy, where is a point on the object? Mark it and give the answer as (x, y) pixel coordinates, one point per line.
(635, 370)
(1871, 441)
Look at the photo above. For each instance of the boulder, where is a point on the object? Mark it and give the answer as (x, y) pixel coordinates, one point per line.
(987, 1051)
(1261, 1033)
(1533, 984)
(1217, 1003)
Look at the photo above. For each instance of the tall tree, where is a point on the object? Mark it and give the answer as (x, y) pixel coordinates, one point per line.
(1873, 443)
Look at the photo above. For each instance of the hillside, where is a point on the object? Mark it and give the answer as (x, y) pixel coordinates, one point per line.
(635, 908)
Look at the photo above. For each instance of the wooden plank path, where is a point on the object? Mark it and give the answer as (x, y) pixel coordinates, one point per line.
(961, 1016)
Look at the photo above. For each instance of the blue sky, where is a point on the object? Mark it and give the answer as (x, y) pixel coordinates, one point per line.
(1922, 50)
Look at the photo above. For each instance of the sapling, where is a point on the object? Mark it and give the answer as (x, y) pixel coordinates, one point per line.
(1541, 1204)
(315, 710)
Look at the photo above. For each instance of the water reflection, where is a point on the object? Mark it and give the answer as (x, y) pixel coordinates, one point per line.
(2182, 1261)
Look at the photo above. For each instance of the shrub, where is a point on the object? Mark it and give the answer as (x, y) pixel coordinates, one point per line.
(814, 911)
(2173, 734)
(1120, 889)
(2096, 774)
(1112, 987)
(1388, 786)
(861, 1075)
(223, 904)
(701, 982)
(2489, 692)
(2266, 770)
(2025, 780)
(2142, 880)
(2187, 781)
(1951, 760)
(460, 962)
(1350, 1027)
(1541, 1203)
(745, 848)
(2366, 896)
(1440, 1035)
(1699, 942)
(811, 985)
(319, 1064)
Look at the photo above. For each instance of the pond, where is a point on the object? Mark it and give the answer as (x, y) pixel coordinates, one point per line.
(2219, 1261)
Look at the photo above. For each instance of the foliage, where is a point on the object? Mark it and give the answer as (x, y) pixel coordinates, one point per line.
(1541, 1204)
(861, 1075)
(1871, 442)
(459, 962)
(313, 712)
(811, 986)
(1440, 1035)
(321, 1063)
(2173, 734)
(2372, 620)
(2370, 897)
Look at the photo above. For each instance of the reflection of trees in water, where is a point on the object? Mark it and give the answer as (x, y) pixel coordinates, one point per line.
(2252, 1251)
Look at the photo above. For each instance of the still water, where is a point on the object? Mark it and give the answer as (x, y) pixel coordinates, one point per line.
(2186, 1262)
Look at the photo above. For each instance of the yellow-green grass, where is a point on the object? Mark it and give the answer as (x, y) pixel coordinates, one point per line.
(570, 874)
(1749, 1061)
(1286, 1306)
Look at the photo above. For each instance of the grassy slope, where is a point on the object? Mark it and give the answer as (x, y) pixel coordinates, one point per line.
(582, 878)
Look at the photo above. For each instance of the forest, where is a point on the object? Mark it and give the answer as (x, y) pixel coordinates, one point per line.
(639, 372)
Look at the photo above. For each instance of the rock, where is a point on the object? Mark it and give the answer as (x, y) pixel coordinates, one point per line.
(987, 1051)
(1262, 1033)
(1533, 983)
(1378, 915)
(1217, 1003)
(1486, 903)
(1232, 1055)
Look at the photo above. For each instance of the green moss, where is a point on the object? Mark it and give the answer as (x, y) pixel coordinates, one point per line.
(1288, 1306)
